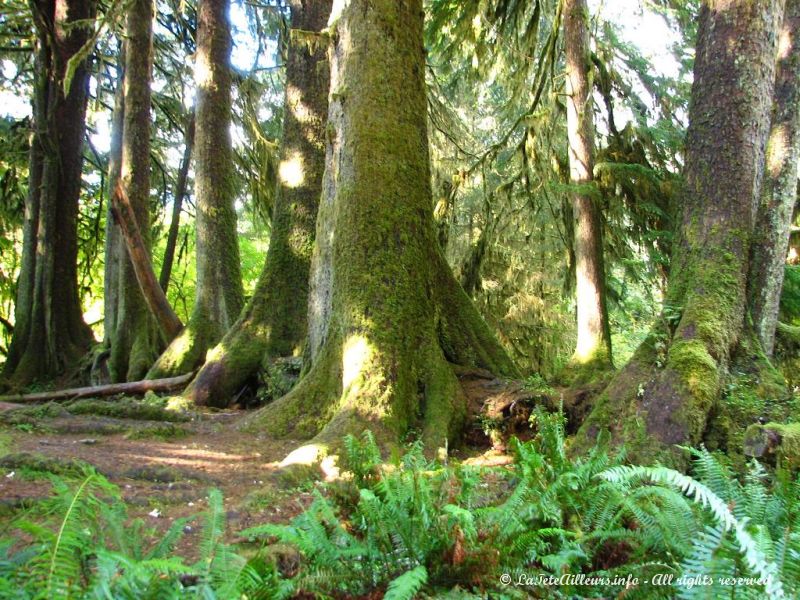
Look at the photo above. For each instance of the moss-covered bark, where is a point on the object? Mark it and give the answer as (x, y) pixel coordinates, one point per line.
(776, 439)
(666, 392)
(274, 321)
(389, 316)
(219, 296)
(52, 335)
(593, 347)
(134, 342)
(779, 190)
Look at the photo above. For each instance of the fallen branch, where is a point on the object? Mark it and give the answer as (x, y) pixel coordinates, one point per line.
(99, 391)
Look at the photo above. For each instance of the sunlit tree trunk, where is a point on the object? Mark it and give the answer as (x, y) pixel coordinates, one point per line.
(274, 321)
(53, 335)
(134, 343)
(593, 348)
(779, 192)
(218, 291)
(113, 243)
(387, 317)
(666, 392)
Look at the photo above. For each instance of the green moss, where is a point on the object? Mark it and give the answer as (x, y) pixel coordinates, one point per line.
(782, 439)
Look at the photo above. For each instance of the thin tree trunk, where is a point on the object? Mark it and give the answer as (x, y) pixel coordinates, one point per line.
(54, 336)
(666, 392)
(389, 314)
(23, 304)
(593, 348)
(113, 246)
(177, 206)
(133, 347)
(218, 291)
(779, 192)
(274, 321)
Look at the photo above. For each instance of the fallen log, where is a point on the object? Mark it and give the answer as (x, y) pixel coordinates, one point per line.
(99, 391)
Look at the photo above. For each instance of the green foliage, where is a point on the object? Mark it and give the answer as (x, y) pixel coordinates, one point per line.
(84, 545)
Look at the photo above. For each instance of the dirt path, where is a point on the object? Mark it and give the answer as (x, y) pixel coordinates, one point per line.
(162, 480)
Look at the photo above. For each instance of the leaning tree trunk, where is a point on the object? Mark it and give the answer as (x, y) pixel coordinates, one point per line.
(388, 316)
(779, 191)
(274, 321)
(134, 342)
(665, 393)
(593, 347)
(218, 291)
(53, 335)
(177, 205)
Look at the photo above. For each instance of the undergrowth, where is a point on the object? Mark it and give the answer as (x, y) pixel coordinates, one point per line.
(547, 526)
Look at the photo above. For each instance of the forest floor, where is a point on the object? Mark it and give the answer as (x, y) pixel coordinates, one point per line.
(162, 477)
(164, 470)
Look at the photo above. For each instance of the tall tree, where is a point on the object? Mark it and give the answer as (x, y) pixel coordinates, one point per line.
(771, 239)
(593, 348)
(386, 315)
(274, 321)
(134, 342)
(113, 244)
(665, 393)
(51, 335)
(219, 297)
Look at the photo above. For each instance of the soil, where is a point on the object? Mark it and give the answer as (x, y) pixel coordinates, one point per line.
(168, 478)
(164, 470)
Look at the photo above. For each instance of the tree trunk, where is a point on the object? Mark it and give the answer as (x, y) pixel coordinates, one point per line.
(218, 291)
(387, 316)
(274, 321)
(779, 191)
(133, 347)
(139, 256)
(593, 348)
(53, 335)
(665, 393)
(177, 206)
(113, 245)
(26, 280)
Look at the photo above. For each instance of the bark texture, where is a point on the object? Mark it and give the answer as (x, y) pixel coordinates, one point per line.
(386, 313)
(51, 334)
(666, 392)
(593, 348)
(274, 321)
(134, 343)
(218, 291)
(113, 246)
(779, 190)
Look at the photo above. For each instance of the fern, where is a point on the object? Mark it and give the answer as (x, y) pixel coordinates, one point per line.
(407, 585)
(753, 555)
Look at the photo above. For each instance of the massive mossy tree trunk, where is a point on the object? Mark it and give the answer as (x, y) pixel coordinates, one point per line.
(779, 190)
(274, 321)
(219, 297)
(51, 334)
(666, 392)
(134, 342)
(387, 317)
(593, 347)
